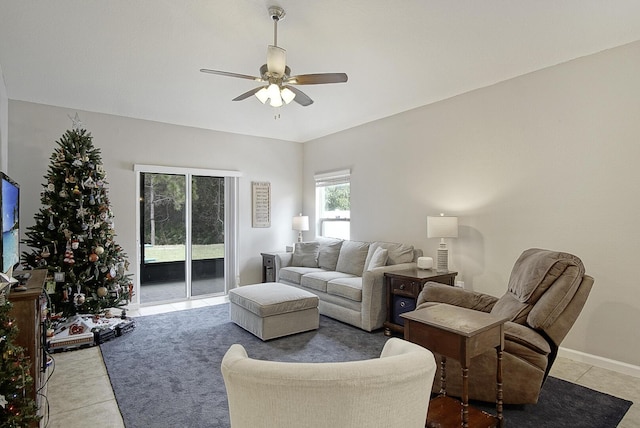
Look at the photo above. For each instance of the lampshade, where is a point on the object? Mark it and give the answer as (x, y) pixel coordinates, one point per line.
(262, 95)
(442, 227)
(274, 95)
(300, 223)
(287, 95)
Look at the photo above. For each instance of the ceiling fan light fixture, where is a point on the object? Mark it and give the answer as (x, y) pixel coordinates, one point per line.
(262, 95)
(274, 95)
(276, 61)
(287, 95)
(276, 74)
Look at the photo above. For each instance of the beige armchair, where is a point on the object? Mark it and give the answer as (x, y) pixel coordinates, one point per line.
(390, 391)
(546, 293)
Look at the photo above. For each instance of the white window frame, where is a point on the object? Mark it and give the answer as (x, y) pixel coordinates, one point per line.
(324, 180)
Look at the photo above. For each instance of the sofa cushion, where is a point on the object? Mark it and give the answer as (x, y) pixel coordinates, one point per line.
(318, 280)
(378, 259)
(349, 288)
(398, 253)
(352, 257)
(305, 254)
(329, 252)
(294, 274)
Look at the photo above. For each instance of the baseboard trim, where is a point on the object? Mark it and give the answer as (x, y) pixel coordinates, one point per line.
(604, 363)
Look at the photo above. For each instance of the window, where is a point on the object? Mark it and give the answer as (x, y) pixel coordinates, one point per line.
(333, 204)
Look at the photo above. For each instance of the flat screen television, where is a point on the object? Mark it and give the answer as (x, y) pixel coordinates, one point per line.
(10, 244)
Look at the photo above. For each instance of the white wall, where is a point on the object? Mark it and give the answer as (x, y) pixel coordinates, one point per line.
(34, 129)
(544, 160)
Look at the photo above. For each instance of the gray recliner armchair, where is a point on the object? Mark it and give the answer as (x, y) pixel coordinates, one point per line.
(546, 293)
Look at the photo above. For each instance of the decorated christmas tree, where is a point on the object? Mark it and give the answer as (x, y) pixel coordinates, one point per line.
(17, 409)
(74, 233)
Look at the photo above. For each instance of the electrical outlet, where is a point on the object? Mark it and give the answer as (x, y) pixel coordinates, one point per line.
(460, 284)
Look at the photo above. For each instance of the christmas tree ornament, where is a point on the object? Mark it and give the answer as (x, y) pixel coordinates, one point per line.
(89, 183)
(93, 257)
(102, 291)
(99, 250)
(79, 299)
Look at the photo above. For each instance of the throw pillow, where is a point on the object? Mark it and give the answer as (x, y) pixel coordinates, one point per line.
(378, 259)
(398, 253)
(305, 254)
(329, 252)
(352, 257)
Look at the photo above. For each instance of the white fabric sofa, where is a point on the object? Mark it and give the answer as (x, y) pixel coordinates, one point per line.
(390, 391)
(346, 275)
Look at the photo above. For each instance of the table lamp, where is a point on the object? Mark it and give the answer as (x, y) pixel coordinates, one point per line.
(301, 224)
(442, 227)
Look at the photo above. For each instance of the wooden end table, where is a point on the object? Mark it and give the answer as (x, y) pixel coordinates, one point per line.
(461, 334)
(268, 267)
(403, 288)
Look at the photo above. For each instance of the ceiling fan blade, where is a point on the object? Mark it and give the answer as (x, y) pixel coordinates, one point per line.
(247, 94)
(301, 98)
(276, 60)
(315, 79)
(229, 74)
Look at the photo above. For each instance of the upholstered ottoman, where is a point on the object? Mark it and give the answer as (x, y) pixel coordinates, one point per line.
(273, 310)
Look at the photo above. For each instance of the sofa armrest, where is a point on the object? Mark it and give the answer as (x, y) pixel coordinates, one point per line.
(441, 293)
(282, 260)
(374, 295)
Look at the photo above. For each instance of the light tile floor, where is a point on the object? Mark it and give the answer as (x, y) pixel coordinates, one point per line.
(80, 394)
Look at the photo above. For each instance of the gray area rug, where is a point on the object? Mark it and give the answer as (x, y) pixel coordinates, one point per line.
(166, 372)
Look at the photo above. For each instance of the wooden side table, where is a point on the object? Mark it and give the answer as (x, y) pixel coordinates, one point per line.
(403, 288)
(461, 334)
(268, 267)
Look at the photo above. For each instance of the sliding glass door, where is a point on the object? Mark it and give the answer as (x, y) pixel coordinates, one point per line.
(184, 224)
(207, 235)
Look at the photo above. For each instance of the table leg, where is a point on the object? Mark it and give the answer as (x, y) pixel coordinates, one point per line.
(443, 375)
(465, 397)
(499, 387)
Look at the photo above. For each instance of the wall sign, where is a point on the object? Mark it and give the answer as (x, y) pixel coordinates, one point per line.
(261, 203)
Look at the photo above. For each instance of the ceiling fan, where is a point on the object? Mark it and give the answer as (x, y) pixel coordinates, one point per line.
(277, 75)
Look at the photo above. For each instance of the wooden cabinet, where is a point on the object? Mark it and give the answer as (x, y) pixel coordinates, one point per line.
(268, 267)
(403, 288)
(28, 312)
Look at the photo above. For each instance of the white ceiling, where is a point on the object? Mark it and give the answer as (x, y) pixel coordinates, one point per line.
(141, 58)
